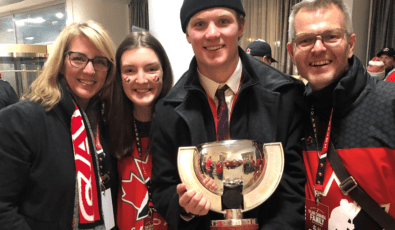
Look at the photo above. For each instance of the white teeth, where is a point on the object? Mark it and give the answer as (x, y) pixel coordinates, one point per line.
(320, 63)
(87, 82)
(142, 90)
(214, 47)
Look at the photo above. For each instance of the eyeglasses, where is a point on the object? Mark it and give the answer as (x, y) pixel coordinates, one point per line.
(79, 60)
(306, 41)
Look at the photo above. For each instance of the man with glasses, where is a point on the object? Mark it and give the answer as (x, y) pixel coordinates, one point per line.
(347, 108)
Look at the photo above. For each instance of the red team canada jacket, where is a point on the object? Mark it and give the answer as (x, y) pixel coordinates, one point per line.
(363, 133)
(133, 195)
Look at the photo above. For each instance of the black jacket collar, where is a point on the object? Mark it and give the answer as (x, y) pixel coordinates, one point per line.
(343, 93)
(66, 107)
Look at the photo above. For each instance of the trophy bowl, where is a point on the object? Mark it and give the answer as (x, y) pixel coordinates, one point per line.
(234, 175)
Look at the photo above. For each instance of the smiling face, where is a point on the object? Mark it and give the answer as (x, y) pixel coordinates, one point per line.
(322, 64)
(213, 34)
(142, 77)
(84, 83)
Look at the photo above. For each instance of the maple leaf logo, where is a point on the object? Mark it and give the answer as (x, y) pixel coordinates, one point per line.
(137, 192)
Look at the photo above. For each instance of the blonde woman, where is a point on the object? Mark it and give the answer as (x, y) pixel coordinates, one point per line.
(54, 167)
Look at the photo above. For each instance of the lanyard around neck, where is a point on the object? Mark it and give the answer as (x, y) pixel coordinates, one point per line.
(97, 139)
(319, 181)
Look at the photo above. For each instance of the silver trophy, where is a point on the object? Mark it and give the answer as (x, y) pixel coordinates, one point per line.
(234, 175)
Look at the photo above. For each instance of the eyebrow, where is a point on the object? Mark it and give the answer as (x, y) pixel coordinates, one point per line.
(149, 64)
(223, 14)
(97, 56)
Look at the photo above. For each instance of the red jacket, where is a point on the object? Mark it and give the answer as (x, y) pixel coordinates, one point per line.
(363, 133)
(220, 167)
(391, 76)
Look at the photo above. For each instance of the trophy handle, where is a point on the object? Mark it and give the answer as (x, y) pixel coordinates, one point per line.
(274, 171)
(188, 176)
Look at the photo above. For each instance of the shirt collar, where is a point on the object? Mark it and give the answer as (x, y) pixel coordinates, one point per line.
(233, 82)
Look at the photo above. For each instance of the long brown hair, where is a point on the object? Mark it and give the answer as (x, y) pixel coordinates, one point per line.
(120, 112)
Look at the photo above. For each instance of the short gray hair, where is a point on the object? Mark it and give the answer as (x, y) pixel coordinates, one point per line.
(315, 5)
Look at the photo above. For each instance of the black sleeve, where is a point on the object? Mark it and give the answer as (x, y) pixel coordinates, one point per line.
(285, 208)
(15, 163)
(7, 94)
(167, 134)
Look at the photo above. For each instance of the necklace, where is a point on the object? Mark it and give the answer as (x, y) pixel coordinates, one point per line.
(139, 150)
(138, 142)
(145, 175)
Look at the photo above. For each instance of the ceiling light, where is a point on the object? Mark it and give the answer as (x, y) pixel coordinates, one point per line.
(59, 15)
(29, 38)
(20, 22)
(37, 20)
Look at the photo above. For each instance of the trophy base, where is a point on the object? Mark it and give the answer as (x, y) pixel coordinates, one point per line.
(234, 224)
(233, 221)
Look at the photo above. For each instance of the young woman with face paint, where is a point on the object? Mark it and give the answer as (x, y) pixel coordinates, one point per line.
(143, 77)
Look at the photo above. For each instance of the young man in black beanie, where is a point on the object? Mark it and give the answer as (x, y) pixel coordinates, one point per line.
(261, 103)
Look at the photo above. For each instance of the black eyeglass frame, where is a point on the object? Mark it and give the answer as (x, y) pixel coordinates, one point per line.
(89, 60)
(345, 32)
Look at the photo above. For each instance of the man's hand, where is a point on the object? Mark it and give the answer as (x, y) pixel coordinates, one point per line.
(192, 202)
(210, 184)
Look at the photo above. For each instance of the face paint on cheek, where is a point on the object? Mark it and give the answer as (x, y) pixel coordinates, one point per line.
(127, 79)
(156, 78)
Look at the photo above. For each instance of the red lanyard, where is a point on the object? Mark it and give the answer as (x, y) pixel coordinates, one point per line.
(100, 153)
(146, 177)
(319, 181)
(97, 140)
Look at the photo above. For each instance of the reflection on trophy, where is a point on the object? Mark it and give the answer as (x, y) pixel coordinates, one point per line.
(234, 175)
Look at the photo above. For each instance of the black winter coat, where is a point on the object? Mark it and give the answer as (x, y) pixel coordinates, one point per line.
(7, 94)
(37, 168)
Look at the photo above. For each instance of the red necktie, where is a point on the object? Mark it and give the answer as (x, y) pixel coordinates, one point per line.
(222, 115)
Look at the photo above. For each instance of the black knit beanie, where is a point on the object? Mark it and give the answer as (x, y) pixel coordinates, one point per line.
(191, 7)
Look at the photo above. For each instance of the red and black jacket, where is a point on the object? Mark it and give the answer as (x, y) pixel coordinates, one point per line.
(363, 133)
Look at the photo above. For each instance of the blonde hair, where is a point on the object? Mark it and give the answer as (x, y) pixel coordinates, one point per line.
(45, 89)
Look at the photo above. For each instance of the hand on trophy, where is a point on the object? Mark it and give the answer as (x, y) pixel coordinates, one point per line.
(192, 202)
(210, 184)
